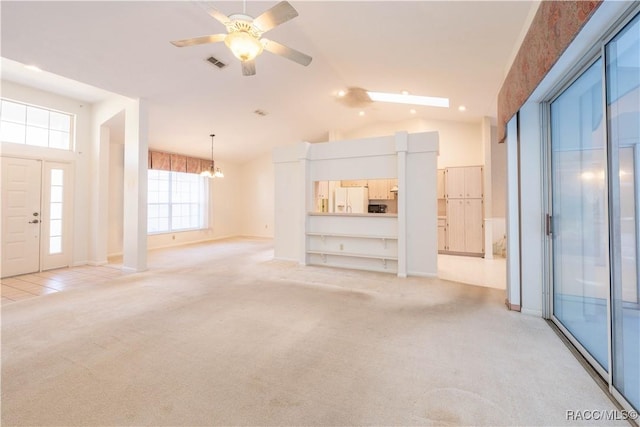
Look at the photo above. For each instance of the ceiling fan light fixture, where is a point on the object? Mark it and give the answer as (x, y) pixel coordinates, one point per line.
(243, 45)
(429, 101)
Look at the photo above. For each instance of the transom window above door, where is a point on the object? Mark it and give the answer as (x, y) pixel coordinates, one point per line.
(31, 125)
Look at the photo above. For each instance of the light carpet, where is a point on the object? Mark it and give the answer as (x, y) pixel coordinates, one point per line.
(221, 334)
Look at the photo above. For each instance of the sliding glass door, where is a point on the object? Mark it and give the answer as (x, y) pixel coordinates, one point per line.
(579, 199)
(595, 207)
(623, 110)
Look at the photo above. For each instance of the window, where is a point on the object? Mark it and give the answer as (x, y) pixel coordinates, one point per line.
(55, 209)
(177, 201)
(30, 125)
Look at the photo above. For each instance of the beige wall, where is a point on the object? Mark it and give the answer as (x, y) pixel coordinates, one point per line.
(257, 197)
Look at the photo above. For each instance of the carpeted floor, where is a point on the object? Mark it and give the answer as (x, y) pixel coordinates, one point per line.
(220, 334)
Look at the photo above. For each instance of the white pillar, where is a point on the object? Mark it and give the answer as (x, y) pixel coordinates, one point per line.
(99, 197)
(135, 186)
(513, 216)
(401, 150)
(488, 202)
(306, 200)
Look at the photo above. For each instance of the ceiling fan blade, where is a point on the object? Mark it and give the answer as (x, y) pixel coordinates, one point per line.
(248, 67)
(199, 40)
(278, 14)
(224, 19)
(287, 52)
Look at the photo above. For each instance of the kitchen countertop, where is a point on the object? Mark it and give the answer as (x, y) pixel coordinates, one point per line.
(384, 215)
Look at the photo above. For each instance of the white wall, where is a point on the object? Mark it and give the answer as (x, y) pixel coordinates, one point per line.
(257, 197)
(116, 205)
(460, 143)
(79, 158)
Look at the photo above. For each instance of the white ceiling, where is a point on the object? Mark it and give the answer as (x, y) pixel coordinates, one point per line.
(454, 49)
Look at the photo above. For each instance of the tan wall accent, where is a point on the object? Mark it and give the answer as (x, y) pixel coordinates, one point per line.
(553, 28)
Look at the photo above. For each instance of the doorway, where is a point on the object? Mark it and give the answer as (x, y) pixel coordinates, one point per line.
(36, 215)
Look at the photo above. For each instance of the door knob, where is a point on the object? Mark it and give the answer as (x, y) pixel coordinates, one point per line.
(35, 221)
(36, 214)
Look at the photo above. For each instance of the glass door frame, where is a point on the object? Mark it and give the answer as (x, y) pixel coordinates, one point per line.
(548, 307)
(596, 53)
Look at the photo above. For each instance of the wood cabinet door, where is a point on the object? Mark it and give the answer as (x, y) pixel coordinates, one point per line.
(376, 189)
(473, 182)
(354, 183)
(473, 227)
(456, 225)
(323, 190)
(442, 238)
(440, 181)
(454, 183)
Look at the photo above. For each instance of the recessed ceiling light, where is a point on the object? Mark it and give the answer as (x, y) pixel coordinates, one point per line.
(429, 101)
(361, 113)
(412, 111)
(462, 108)
(404, 92)
(341, 93)
(32, 68)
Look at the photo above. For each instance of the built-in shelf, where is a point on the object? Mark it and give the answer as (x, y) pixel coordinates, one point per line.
(356, 236)
(347, 254)
(368, 215)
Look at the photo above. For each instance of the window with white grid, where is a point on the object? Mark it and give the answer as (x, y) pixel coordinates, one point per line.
(31, 125)
(176, 201)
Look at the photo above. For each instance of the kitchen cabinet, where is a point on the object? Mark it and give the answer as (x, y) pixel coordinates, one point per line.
(442, 234)
(354, 183)
(322, 189)
(379, 189)
(464, 210)
(440, 183)
(463, 182)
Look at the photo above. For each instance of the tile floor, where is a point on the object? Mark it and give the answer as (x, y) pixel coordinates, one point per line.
(490, 273)
(27, 286)
(469, 270)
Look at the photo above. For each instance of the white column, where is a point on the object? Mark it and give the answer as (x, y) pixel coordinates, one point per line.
(135, 186)
(99, 197)
(306, 200)
(401, 150)
(488, 202)
(513, 216)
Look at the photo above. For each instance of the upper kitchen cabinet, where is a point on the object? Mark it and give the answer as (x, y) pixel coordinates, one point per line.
(463, 182)
(354, 183)
(379, 189)
(473, 182)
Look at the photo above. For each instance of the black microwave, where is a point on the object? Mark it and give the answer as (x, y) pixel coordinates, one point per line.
(377, 209)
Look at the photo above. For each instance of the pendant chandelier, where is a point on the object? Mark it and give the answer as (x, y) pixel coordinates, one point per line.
(212, 172)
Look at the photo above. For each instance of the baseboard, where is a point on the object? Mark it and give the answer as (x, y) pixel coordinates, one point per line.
(79, 263)
(512, 307)
(97, 263)
(132, 270)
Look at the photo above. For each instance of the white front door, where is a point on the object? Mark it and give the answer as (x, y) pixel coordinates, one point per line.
(21, 216)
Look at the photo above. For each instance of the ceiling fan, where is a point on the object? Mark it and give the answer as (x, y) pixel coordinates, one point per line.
(244, 36)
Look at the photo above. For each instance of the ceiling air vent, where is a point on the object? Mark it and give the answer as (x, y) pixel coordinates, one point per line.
(216, 62)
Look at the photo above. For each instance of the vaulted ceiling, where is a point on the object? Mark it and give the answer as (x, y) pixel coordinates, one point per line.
(454, 49)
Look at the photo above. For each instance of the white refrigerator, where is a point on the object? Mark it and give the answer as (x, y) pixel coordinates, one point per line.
(351, 200)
